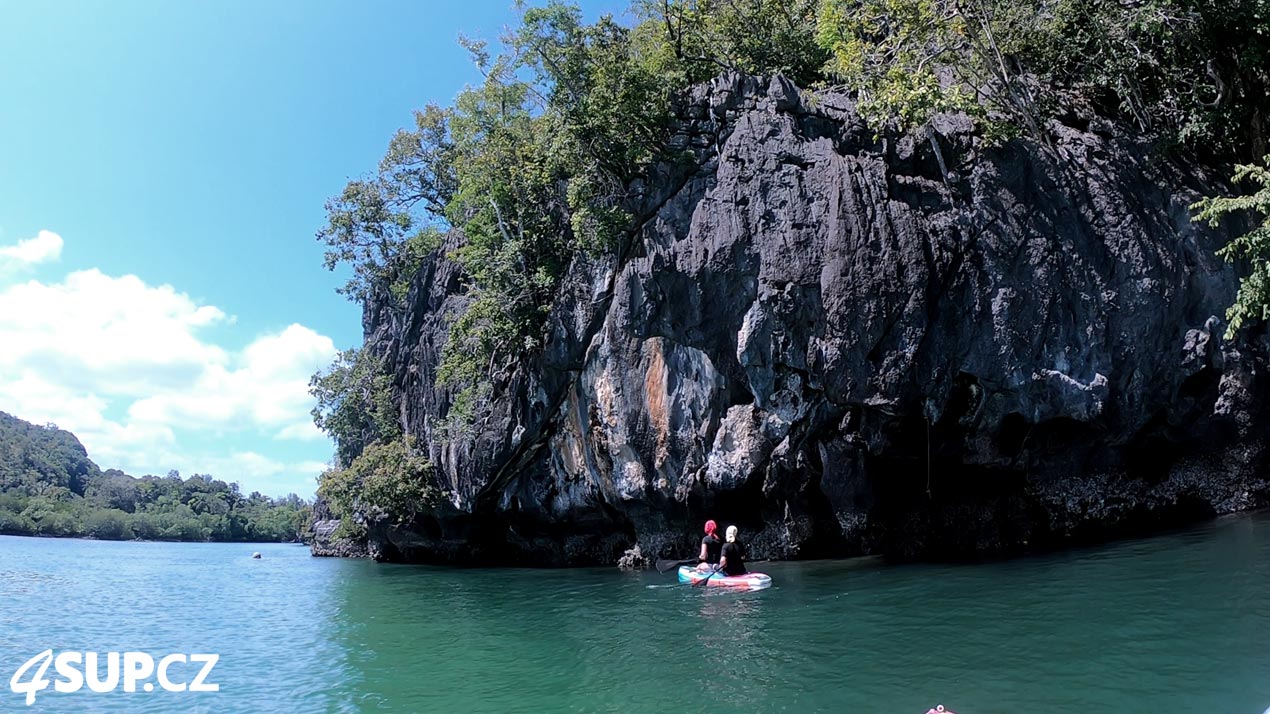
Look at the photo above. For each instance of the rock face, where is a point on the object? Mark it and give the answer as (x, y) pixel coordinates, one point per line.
(827, 340)
(326, 543)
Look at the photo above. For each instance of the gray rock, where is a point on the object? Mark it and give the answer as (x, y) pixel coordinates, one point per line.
(633, 559)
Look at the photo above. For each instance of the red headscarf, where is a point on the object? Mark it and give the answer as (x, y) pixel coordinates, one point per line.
(711, 527)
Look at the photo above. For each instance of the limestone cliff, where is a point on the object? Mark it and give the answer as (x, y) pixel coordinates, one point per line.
(824, 338)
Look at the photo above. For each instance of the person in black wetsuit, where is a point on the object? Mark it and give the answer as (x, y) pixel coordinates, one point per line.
(711, 546)
(732, 558)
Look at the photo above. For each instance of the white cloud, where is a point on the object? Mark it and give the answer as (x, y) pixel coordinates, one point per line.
(267, 385)
(132, 370)
(301, 431)
(116, 334)
(45, 246)
(249, 467)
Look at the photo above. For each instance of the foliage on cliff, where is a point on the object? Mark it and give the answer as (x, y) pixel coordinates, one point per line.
(49, 487)
(354, 403)
(549, 157)
(1253, 300)
(1189, 71)
(387, 480)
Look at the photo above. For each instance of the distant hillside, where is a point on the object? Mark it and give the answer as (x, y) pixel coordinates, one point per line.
(33, 455)
(49, 487)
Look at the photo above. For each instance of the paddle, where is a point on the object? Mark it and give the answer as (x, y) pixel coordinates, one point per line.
(706, 579)
(668, 565)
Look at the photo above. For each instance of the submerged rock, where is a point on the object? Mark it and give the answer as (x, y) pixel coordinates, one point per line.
(823, 338)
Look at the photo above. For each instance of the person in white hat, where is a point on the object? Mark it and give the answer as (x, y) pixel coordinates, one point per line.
(732, 558)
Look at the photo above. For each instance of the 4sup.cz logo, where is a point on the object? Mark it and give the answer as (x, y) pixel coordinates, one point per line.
(133, 670)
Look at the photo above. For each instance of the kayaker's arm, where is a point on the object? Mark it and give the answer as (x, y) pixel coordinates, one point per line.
(703, 556)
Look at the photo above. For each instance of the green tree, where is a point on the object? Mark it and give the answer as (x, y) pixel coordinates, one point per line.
(1186, 71)
(387, 481)
(106, 524)
(382, 226)
(911, 59)
(16, 524)
(354, 402)
(143, 526)
(1195, 72)
(1253, 299)
(706, 37)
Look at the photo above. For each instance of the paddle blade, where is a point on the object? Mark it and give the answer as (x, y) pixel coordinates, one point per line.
(664, 566)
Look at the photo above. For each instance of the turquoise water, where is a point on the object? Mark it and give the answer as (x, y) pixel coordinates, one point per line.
(1176, 623)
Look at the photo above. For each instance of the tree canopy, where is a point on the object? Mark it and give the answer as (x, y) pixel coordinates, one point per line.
(1253, 300)
(49, 487)
(387, 481)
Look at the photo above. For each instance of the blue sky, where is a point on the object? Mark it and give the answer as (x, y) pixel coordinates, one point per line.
(163, 167)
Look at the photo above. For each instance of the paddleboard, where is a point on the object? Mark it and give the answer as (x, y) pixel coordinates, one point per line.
(749, 581)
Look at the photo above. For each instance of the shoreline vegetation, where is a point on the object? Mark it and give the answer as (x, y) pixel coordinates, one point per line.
(50, 488)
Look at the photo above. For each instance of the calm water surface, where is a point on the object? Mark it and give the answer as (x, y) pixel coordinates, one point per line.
(1176, 623)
